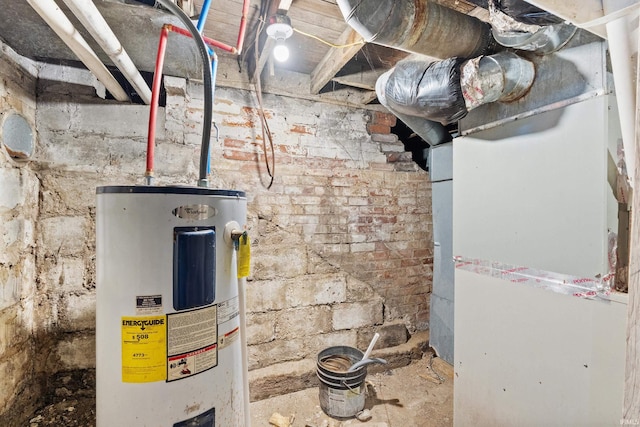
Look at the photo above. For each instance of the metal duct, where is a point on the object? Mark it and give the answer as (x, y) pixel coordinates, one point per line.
(444, 91)
(512, 33)
(432, 132)
(501, 77)
(418, 26)
(428, 90)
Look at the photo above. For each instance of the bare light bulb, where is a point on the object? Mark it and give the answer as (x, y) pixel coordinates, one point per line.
(281, 51)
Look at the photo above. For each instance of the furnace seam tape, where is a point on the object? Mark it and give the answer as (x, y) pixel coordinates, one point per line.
(582, 287)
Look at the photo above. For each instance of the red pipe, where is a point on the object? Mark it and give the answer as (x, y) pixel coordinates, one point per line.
(243, 26)
(155, 95)
(207, 40)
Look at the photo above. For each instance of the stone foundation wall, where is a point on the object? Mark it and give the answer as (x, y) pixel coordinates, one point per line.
(341, 241)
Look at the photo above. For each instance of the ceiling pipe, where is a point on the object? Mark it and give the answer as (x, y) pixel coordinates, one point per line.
(89, 15)
(60, 24)
(418, 26)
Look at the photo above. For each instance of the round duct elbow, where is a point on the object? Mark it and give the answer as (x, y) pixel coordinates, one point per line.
(502, 77)
(433, 133)
(418, 26)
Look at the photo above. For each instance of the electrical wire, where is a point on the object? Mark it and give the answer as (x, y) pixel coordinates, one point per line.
(338, 46)
(266, 131)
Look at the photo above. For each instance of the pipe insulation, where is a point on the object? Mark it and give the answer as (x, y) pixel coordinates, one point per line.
(208, 89)
(418, 26)
(433, 133)
(444, 91)
(89, 15)
(428, 90)
(60, 24)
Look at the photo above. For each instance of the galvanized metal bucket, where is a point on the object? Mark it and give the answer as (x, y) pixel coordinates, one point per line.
(342, 394)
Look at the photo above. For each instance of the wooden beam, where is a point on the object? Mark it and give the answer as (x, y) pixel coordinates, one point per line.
(631, 407)
(349, 96)
(284, 4)
(264, 57)
(335, 59)
(363, 80)
(293, 85)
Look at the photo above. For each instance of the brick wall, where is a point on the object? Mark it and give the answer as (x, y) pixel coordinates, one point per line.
(19, 188)
(341, 241)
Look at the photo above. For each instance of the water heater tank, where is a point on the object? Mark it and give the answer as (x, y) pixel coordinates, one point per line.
(169, 347)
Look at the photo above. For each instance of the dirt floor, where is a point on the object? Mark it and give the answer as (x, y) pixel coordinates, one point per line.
(417, 395)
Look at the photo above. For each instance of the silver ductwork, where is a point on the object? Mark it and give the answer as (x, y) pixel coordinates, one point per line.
(502, 77)
(524, 33)
(444, 91)
(433, 133)
(418, 26)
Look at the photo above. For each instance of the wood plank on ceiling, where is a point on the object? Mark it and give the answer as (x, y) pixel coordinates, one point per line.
(335, 59)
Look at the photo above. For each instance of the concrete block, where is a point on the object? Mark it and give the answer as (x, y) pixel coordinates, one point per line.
(261, 355)
(13, 188)
(283, 261)
(266, 295)
(282, 378)
(15, 334)
(14, 371)
(357, 315)
(317, 290)
(78, 312)
(261, 327)
(301, 322)
(63, 235)
(73, 351)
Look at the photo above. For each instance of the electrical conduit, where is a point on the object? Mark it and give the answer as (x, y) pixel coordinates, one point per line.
(60, 24)
(89, 15)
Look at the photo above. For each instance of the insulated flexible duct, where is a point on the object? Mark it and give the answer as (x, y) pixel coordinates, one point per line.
(431, 132)
(417, 26)
(444, 91)
(428, 90)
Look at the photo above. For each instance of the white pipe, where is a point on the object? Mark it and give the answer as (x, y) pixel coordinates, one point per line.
(371, 344)
(60, 24)
(89, 15)
(620, 52)
(242, 300)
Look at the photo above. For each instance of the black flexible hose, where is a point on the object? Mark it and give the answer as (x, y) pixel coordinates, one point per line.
(208, 90)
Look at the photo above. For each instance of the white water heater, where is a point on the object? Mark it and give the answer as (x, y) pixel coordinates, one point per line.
(170, 348)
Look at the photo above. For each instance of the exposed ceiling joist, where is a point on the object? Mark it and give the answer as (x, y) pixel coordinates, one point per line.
(363, 80)
(284, 4)
(265, 53)
(335, 59)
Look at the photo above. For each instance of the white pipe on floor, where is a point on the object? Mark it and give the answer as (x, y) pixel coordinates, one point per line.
(89, 15)
(60, 24)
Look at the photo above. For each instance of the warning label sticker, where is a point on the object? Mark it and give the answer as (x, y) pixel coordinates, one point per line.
(227, 310)
(227, 339)
(191, 363)
(144, 342)
(191, 342)
(148, 304)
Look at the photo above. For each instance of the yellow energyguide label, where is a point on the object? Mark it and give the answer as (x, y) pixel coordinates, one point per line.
(144, 347)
